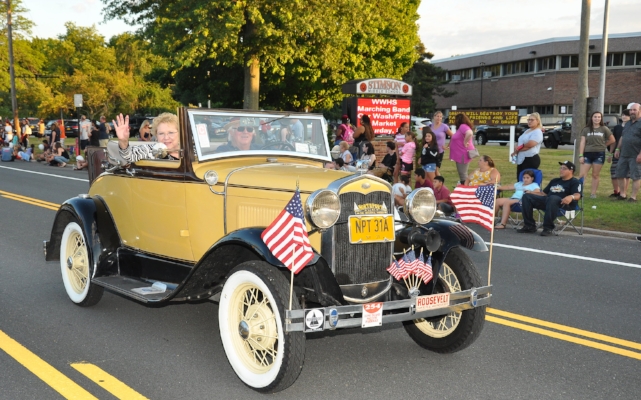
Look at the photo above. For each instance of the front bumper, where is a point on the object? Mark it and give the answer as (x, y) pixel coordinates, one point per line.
(350, 316)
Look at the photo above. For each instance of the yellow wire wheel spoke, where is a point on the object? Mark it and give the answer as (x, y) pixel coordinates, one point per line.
(78, 270)
(251, 312)
(257, 338)
(448, 323)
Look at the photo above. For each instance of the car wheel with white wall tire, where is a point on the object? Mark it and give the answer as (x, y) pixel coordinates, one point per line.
(251, 316)
(456, 330)
(481, 138)
(75, 267)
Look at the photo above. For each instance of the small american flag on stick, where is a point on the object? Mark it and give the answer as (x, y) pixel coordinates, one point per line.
(286, 237)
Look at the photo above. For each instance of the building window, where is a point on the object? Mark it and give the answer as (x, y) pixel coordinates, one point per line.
(615, 60)
(629, 59)
(544, 110)
(570, 61)
(567, 110)
(494, 69)
(595, 60)
(508, 69)
(547, 63)
(466, 74)
(638, 58)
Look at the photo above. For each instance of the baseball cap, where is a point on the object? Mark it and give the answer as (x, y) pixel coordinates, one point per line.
(567, 164)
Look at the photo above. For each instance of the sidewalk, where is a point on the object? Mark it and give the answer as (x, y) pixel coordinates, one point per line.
(622, 235)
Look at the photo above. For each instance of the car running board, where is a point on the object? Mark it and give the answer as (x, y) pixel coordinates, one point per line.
(125, 286)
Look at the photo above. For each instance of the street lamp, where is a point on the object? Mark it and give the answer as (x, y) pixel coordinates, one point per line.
(482, 73)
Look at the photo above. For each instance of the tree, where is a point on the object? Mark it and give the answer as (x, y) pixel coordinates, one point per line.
(304, 49)
(427, 81)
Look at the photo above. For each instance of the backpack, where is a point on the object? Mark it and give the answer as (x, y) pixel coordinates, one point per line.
(348, 133)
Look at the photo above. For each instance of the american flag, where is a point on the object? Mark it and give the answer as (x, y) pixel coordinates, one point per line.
(425, 269)
(286, 237)
(397, 270)
(475, 204)
(410, 261)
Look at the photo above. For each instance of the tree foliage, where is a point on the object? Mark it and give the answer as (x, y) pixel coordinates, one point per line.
(304, 50)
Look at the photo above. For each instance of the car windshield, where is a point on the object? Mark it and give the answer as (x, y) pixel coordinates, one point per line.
(228, 133)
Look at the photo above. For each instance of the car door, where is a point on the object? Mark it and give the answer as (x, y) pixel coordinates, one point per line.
(158, 201)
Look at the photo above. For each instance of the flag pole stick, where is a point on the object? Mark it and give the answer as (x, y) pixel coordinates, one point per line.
(489, 268)
(291, 285)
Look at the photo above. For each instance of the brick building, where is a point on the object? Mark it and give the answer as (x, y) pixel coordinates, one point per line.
(542, 76)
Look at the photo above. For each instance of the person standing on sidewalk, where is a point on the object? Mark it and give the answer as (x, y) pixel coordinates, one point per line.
(617, 131)
(85, 132)
(629, 153)
(595, 138)
(103, 133)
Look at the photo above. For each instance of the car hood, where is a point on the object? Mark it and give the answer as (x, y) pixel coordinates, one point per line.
(284, 177)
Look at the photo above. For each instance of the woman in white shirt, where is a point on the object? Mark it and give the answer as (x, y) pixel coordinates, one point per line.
(345, 154)
(529, 145)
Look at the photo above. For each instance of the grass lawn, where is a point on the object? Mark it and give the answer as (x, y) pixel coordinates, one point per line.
(608, 215)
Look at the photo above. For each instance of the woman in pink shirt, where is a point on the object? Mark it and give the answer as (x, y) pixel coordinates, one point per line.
(460, 143)
(407, 153)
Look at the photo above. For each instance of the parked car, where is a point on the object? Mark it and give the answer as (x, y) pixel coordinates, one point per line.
(418, 123)
(33, 124)
(71, 128)
(562, 135)
(200, 238)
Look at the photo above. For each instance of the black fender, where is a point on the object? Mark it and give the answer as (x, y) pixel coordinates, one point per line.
(101, 236)
(450, 233)
(439, 236)
(316, 281)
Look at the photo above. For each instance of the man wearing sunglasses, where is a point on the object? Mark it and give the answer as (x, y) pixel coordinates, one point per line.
(560, 192)
(240, 139)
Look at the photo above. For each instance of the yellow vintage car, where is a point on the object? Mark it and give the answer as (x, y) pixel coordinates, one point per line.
(188, 228)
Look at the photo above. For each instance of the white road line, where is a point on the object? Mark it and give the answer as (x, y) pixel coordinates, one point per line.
(42, 173)
(600, 260)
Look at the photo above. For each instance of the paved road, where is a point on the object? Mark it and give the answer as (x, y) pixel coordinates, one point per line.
(559, 328)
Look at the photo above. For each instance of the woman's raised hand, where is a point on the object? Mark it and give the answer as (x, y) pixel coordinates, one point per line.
(121, 126)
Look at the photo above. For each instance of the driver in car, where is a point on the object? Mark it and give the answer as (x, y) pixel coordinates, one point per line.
(165, 128)
(241, 138)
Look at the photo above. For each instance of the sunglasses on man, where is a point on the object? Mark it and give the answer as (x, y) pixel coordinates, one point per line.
(245, 128)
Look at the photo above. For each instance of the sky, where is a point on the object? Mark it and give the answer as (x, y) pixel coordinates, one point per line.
(447, 28)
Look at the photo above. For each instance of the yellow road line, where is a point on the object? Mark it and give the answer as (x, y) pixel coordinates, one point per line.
(40, 368)
(565, 328)
(107, 382)
(31, 202)
(16, 196)
(567, 338)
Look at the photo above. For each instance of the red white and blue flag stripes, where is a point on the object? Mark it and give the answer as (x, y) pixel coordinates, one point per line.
(286, 237)
(475, 204)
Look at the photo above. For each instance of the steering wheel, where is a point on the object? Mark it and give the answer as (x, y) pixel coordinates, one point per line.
(285, 146)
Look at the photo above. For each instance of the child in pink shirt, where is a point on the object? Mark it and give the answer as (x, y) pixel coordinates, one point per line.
(407, 153)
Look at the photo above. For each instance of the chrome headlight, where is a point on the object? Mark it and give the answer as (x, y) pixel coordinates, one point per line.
(421, 205)
(323, 208)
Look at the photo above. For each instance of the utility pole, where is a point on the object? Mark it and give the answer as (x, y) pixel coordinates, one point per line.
(604, 55)
(482, 73)
(581, 101)
(12, 72)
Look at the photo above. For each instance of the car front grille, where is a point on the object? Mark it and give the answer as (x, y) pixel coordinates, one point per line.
(360, 263)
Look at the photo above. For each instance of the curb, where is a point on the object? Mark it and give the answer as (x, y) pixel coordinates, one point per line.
(622, 235)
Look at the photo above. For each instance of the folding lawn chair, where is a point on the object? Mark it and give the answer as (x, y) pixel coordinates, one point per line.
(516, 208)
(567, 216)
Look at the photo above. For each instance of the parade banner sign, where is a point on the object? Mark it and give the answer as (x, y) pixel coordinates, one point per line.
(386, 114)
(489, 117)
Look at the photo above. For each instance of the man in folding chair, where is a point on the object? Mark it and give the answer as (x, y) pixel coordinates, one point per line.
(563, 192)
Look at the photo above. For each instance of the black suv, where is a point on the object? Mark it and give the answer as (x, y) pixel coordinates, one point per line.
(499, 133)
(563, 134)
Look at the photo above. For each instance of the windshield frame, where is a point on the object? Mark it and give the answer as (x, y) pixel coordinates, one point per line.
(270, 116)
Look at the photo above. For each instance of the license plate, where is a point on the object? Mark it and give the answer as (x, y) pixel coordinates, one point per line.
(432, 301)
(371, 228)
